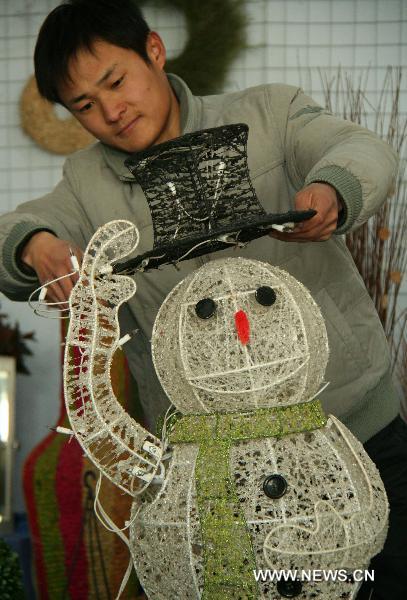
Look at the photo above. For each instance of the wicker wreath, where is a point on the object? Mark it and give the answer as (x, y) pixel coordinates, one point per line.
(40, 121)
(215, 36)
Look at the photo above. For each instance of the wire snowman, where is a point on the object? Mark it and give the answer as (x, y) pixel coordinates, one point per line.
(251, 474)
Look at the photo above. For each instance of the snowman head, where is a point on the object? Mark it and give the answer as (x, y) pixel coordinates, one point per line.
(237, 335)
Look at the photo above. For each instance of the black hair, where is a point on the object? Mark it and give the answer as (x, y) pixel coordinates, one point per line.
(76, 25)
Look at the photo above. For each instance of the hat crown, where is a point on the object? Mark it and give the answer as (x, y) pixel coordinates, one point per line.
(197, 183)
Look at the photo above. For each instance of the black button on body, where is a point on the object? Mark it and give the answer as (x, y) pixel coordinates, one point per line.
(265, 295)
(275, 486)
(289, 589)
(205, 308)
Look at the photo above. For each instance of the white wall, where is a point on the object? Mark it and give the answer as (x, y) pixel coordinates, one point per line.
(286, 37)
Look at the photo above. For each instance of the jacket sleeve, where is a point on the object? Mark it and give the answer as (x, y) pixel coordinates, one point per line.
(59, 212)
(355, 161)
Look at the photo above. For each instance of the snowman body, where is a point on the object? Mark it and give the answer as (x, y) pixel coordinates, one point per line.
(252, 476)
(304, 493)
(166, 539)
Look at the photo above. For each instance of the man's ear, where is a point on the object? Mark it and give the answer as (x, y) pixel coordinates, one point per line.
(156, 49)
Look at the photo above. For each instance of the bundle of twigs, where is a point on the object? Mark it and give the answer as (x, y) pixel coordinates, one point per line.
(379, 247)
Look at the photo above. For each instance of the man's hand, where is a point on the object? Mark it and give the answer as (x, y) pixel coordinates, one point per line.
(50, 258)
(323, 198)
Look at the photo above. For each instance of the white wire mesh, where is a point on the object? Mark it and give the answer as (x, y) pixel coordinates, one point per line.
(333, 516)
(334, 512)
(282, 364)
(122, 449)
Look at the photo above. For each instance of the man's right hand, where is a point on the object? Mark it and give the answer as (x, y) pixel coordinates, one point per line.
(50, 258)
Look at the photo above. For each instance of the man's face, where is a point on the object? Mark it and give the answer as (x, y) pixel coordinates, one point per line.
(119, 98)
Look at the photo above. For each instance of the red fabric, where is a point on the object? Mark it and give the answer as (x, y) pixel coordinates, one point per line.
(30, 499)
(68, 489)
(242, 326)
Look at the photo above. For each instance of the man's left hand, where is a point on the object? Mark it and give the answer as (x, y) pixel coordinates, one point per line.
(323, 198)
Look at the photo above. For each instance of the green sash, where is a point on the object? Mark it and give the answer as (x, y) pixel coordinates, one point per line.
(229, 559)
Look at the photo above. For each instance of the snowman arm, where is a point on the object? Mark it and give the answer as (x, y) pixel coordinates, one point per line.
(120, 447)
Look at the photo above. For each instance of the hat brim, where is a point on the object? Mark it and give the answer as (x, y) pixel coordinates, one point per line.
(236, 234)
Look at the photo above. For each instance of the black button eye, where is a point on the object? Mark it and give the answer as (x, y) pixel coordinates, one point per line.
(205, 308)
(274, 486)
(265, 295)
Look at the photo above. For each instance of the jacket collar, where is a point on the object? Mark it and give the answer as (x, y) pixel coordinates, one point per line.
(190, 113)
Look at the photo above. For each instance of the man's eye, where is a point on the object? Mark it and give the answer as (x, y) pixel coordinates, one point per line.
(85, 108)
(116, 83)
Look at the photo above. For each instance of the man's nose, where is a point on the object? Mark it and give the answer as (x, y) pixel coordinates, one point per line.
(113, 112)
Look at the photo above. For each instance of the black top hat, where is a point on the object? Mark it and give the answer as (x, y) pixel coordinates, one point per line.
(200, 195)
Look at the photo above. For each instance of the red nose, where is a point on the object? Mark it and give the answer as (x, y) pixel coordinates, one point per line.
(242, 326)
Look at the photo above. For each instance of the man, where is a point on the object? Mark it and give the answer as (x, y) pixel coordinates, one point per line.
(100, 60)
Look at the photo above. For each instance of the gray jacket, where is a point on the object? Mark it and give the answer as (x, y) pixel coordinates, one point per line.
(292, 142)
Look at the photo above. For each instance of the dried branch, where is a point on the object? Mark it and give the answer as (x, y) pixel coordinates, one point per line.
(379, 246)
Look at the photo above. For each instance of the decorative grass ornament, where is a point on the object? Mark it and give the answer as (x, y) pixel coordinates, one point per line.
(378, 246)
(252, 475)
(215, 35)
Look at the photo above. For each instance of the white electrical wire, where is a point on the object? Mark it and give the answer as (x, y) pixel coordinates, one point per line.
(42, 308)
(111, 526)
(107, 522)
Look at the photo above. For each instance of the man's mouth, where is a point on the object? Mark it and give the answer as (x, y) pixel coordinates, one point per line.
(128, 128)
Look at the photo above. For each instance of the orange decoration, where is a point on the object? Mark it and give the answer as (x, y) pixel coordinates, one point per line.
(384, 233)
(396, 277)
